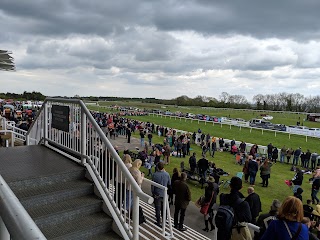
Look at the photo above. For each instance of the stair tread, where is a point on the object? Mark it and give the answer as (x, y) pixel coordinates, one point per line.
(78, 224)
(107, 236)
(57, 187)
(62, 206)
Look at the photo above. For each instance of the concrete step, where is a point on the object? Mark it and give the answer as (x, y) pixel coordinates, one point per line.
(52, 214)
(80, 228)
(43, 195)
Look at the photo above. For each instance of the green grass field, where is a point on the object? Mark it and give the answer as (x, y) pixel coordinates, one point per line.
(277, 188)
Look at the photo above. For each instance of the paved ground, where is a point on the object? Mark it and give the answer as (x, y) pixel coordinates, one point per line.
(194, 218)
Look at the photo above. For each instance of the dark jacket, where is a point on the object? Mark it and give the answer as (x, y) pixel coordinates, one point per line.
(253, 166)
(242, 210)
(182, 192)
(263, 222)
(203, 164)
(298, 178)
(255, 204)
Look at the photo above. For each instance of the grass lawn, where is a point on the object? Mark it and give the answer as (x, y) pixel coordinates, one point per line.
(277, 188)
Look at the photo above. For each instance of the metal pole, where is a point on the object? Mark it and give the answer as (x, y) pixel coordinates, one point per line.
(4, 234)
(12, 138)
(164, 210)
(83, 136)
(135, 217)
(45, 125)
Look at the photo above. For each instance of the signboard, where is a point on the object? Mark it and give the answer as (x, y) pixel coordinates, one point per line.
(60, 117)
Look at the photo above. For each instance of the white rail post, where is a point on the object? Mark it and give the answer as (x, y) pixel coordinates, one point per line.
(164, 212)
(83, 136)
(45, 125)
(12, 138)
(135, 217)
(4, 234)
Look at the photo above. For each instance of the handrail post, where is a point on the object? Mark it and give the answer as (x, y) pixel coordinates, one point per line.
(45, 124)
(164, 210)
(12, 138)
(4, 234)
(135, 217)
(83, 136)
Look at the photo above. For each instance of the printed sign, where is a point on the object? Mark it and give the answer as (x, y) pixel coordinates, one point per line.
(60, 117)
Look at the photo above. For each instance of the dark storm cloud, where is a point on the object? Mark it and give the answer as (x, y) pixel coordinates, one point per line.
(282, 19)
(292, 19)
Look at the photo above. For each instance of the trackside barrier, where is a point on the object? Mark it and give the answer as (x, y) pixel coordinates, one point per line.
(66, 126)
(240, 124)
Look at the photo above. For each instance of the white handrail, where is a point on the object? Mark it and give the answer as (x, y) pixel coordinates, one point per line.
(166, 207)
(17, 220)
(83, 142)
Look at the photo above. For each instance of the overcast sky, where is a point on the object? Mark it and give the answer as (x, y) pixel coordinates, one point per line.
(161, 48)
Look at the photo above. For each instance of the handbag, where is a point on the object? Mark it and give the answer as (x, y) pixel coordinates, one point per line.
(241, 232)
(205, 206)
(199, 202)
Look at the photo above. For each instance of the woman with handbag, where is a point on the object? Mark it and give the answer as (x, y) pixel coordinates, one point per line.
(210, 197)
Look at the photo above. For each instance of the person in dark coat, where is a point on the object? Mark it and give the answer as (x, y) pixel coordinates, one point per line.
(265, 219)
(255, 204)
(210, 196)
(297, 179)
(193, 163)
(203, 166)
(253, 169)
(242, 210)
(182, 199)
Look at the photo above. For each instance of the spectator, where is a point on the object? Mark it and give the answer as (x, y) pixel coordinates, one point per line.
(308, 209)
(255, 204)
(193, 163)
(297, 180)
(315, 189)
(175, 176)
(245, 168)
(275, 154)
(163, 178)
(210, 194)
(150, 138)
(142, 134)
(298, 193)
(213, 146)
(233, 199)
(289, 223)
(307, 159)
(283, 153)
(253, 169)
(182, 199)
(309, 225)
(314, 157)
(265, 171)
(296, 156)
(289, 154)
(203, 166)
(270, 150)
(265, 219)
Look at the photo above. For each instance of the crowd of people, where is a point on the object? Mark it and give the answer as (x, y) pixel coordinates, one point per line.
(281, 221)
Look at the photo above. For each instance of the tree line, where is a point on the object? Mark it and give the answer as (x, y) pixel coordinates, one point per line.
(294, 102)
(35, 96)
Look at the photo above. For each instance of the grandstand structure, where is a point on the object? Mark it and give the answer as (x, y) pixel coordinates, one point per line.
(6, 61)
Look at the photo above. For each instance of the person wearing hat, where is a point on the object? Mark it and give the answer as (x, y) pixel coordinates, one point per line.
(210, 196)
(265, 219)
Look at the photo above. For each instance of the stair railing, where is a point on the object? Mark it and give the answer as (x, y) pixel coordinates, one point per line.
(15, 222)
(67, 126)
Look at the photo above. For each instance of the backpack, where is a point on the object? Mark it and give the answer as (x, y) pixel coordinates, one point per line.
(225, 217)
